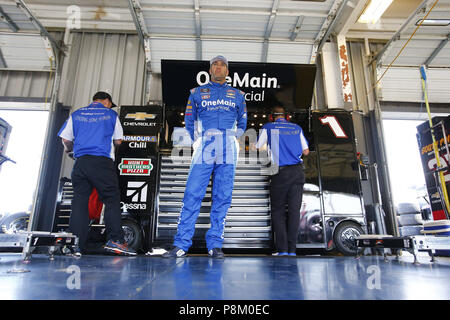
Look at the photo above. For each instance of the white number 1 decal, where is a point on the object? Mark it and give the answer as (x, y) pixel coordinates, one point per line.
(334, 125)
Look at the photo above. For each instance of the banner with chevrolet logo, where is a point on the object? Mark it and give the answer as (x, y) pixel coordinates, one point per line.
(137, 161)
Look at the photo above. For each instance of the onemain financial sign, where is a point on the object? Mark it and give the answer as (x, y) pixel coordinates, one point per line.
(263, 84)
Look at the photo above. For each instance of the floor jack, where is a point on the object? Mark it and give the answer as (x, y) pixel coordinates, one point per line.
(30, 240)
(412, 244)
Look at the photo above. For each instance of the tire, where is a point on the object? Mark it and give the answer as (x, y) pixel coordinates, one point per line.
(15, 222)
(344, 237)
(132, 234)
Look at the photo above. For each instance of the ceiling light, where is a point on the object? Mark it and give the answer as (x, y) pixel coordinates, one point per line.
(374, 11)
(434, 22)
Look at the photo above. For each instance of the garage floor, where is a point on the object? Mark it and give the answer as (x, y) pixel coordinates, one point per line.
(234, 278)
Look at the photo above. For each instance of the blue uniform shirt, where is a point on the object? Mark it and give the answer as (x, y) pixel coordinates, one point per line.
(286, 141)
(215, 106)
(92, 130)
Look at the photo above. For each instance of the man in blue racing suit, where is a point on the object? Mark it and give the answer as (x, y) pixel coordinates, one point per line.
(215, 117)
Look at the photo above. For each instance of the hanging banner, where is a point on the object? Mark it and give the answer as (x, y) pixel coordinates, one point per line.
(263, 84)
(429, 162)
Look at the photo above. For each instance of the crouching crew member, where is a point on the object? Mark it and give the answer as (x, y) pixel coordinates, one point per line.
(287, 144)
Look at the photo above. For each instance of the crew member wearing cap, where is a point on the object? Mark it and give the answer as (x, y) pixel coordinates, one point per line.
(287, 144)
(91, 133)
(215, 117)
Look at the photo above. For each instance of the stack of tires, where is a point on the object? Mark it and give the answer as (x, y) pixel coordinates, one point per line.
(409, 219)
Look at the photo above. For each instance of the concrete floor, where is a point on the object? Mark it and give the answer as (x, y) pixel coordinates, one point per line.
(234, 278)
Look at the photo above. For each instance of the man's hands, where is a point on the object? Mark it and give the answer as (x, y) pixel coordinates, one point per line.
(68, 145)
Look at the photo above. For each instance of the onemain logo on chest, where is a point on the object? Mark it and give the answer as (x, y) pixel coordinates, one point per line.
(218, 102)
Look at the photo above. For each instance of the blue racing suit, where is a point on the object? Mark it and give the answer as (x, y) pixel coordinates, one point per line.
(216, 115)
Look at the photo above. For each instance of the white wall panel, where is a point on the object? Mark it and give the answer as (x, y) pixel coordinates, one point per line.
(177, 49)
(246, 51)
(24, 52)
(404, 84)
(109, 62)
(24, 84)
(289, 53)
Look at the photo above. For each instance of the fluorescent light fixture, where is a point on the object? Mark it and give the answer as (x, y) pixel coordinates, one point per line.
(434, 22)
(374, 11)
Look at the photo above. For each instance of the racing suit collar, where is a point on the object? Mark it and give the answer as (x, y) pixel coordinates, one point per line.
(96, 104)
(216, 84)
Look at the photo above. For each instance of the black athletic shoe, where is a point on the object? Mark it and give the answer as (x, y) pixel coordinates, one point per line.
(119, 248)
(216, 253)
(174, 253)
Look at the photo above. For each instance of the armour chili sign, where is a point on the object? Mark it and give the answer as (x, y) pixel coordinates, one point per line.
(135, 167)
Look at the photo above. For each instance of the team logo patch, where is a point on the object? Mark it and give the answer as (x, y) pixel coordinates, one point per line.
(206, 96)
(231, 94)
(206, 90)
(135, 167)
(140, 116)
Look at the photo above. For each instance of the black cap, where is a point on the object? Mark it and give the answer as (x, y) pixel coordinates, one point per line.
(101, 95)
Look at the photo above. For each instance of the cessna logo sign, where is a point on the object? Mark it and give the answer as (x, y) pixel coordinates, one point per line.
(135, 167)
(137, 190)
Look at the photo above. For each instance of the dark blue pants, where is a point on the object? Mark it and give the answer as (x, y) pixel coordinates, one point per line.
(99, 173)
(286, 188)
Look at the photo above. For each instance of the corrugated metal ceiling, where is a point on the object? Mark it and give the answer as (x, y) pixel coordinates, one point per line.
(258, 30)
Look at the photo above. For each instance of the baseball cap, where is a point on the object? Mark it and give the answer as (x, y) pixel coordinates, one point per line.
(217, 58)
(101, 95)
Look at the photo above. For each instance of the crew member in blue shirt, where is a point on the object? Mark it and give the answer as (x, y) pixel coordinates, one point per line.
(91, 133)
(287, 144)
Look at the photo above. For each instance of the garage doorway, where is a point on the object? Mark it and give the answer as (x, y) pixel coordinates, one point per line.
(404, 162)
(18, 180)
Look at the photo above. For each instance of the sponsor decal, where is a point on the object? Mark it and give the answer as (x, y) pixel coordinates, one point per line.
(137, 190)
(188, 107)
(139, 116)
(139, 138)
(139, 124)
(189, 114)
(204, 90)
(242, 81)
(245, 81)
(137, 145)
(135, 167)
(218, 102)
(206, 96)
